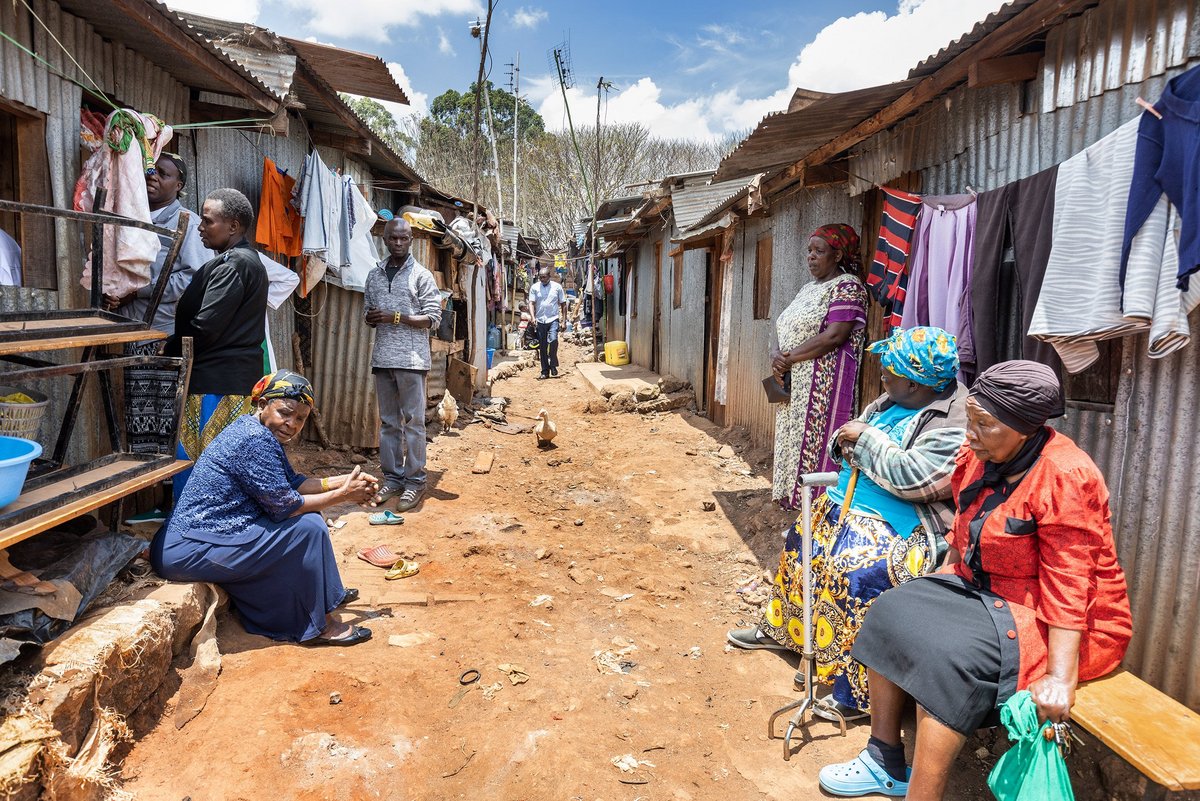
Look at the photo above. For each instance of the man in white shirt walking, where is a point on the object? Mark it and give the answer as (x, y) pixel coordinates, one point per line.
(547, 306)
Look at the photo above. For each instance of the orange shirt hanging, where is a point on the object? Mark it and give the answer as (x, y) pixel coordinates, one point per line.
(279, 222)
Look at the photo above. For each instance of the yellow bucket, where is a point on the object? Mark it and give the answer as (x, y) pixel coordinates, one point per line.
(616, 353)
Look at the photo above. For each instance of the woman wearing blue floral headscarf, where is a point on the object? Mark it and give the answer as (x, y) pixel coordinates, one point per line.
(904, 445)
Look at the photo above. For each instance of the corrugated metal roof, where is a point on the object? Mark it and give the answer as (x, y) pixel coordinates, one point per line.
(257, 49)
(788, 136)
(164, 38)
(982, 28)
(692, 203)
(351, 71)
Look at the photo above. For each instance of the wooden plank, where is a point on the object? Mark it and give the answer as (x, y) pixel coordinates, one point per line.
(102, 338)
(49, 520)
(483, 463)
(1004, 69)
(460, 381)
(1152, 732)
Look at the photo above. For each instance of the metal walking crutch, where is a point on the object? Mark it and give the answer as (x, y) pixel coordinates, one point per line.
(808, 657)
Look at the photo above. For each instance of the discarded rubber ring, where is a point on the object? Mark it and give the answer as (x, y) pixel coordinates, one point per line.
(469, 676)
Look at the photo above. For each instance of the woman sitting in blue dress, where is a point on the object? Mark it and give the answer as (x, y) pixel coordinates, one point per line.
(250, 524)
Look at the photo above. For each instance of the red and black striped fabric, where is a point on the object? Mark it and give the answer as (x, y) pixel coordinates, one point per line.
(888, 278)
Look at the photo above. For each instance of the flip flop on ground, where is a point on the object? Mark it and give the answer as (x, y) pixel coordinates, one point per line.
(402, 569)
(379, 556)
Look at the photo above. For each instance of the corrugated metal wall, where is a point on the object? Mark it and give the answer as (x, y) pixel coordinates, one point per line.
(341, 370)
(122, 74)
(642, 328)
(790, 224)
(1096, 66)
(683, 328)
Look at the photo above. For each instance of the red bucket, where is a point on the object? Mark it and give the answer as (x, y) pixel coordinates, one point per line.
(608, 284)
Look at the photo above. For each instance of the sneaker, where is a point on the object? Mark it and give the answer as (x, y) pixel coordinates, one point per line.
(849, 713)
(554, 372)
(153, 516)
(751, 639)
(409, 499)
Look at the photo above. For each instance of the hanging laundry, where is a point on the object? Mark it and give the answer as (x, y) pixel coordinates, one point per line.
(283, 281)
(132, 144)
(322, 205)
(1167, 161)
(10, 260)
(887, 280)
(1012, 245)
(1080, 299)
(363, 255)
(279, 226)
(940, 264)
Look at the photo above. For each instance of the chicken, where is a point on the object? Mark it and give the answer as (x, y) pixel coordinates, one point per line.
(447, 412)
(544, 429)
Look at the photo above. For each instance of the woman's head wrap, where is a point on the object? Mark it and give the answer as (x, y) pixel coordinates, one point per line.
(285, 385)
(926, 355)
(841, 236)
(1021, 394)
(175, 159)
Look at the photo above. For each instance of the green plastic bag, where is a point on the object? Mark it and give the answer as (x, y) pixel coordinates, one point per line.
(1033, 769)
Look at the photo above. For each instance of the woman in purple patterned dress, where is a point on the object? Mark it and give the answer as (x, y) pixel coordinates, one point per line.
(819, 346)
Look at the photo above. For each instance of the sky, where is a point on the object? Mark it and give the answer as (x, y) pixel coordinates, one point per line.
(694, 70)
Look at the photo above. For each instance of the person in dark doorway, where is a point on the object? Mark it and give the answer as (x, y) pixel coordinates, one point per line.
(1031, 595)
(224, 311)
(149, 391)
(402, 304)
(547, 306)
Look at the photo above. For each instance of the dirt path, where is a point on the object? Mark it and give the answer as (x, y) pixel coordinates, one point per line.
(610, 525)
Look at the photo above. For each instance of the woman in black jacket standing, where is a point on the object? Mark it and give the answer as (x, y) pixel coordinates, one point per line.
(224, 311)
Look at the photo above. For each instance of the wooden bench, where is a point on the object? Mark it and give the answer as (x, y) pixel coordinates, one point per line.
(1155, 734)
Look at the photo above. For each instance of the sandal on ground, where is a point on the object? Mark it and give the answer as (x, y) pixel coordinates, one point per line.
(751, 639)
(385, 494)
(357, 634)
(350, 597)
(861, 776)
(380, 556)
(402, 569)
(849, 713)
(385, 518)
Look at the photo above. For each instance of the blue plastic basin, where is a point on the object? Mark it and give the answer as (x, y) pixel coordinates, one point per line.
(15, 456)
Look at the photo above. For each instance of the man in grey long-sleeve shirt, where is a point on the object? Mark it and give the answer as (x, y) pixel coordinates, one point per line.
(402, 304)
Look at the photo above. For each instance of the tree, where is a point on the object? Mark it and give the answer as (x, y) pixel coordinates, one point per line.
(456, 110)
(382, 122)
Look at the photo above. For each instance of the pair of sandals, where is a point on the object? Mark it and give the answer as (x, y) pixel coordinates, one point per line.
(397, 566)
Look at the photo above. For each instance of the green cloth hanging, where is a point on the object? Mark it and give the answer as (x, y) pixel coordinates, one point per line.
(1033, 769)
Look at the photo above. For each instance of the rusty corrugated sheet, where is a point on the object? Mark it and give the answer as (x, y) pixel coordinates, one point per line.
(683, 328)
(341, 368)
(1095, 68)
(788, 136)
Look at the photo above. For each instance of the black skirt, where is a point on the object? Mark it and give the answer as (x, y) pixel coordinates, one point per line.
(934, 638)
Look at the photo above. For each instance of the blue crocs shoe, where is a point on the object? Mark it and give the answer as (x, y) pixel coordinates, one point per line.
(861, 776)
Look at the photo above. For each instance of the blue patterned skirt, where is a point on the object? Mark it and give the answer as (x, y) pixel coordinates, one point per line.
(851, 566)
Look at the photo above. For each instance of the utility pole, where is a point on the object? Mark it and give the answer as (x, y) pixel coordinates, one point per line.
(483, 49)
(595, 271)
(516, 90)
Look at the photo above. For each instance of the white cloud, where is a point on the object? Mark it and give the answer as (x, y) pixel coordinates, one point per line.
(529, 17)
(418, 102)
(884, 47)
(235, 10)
(444, 46)
(372, 19)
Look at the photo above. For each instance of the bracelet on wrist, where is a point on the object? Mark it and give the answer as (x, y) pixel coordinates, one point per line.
(396, 318)
(324, 485)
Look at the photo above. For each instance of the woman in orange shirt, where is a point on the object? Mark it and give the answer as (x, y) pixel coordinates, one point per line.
(1031, 595)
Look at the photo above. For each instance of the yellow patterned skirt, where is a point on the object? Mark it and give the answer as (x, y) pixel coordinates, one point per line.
(850, 568)
(205, 416)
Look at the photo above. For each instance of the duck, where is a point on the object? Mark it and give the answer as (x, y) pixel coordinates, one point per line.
(544, 429)
(447, 412)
